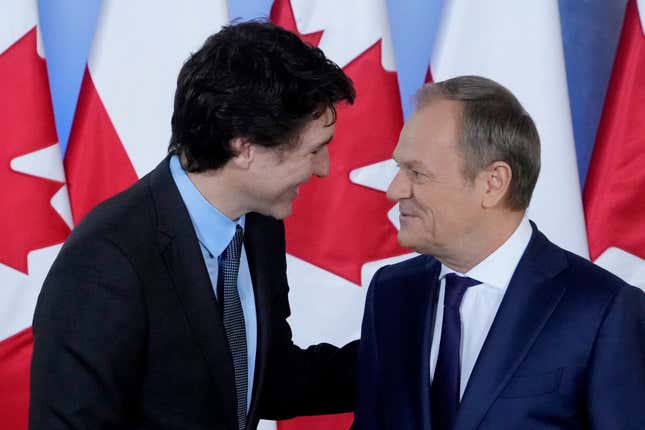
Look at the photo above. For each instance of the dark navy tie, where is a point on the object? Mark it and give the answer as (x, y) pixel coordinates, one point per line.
(445, 383)
(233, 319)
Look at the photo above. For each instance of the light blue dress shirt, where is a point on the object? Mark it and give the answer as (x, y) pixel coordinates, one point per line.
(214, 232)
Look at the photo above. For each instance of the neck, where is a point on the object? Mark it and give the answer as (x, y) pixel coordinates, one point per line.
(219, 191)
(487, 238)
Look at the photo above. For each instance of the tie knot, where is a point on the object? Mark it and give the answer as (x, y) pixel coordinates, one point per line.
(235, 246)
(455, 289)
(239, 234)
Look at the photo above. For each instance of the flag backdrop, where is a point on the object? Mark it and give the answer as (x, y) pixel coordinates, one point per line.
(121, 129)
(614, 197)
(330, 257)
(122, 124)
(33, 198)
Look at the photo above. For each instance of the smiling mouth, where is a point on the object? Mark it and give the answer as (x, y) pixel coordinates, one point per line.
(292, 193)
(408, 214)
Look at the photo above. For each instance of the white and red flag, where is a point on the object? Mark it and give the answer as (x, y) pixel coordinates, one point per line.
(614, 197)
(34, 208)
(121, 128)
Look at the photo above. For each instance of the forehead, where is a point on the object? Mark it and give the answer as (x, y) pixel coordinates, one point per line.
(432, 128)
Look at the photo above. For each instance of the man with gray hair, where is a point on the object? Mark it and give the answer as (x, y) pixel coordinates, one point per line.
(493, 326)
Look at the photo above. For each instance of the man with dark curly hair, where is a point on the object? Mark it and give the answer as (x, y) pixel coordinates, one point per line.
(167, 306)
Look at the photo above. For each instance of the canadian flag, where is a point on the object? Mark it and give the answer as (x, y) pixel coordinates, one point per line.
(613, 198)
(341, 231)
(34, 206)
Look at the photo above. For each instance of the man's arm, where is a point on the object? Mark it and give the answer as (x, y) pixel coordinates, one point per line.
(367, 415)
(313, 381)
(89, 331)
(616, 388)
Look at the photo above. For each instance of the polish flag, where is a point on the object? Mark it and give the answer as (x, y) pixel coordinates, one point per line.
(614, 203)
(343, 228)
(519, 45)
(121, 128)
(34, 207)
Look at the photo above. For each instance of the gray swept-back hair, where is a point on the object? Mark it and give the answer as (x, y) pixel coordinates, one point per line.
(494, 127)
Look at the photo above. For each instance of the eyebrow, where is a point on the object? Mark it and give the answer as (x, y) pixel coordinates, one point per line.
(413, 164)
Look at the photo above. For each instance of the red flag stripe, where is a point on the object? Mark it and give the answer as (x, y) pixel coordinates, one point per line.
(614, 206)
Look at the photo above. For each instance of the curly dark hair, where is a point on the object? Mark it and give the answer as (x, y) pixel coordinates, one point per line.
(252, 80)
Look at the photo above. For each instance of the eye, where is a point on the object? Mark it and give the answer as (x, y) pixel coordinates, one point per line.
(416, 175)
(317, 150)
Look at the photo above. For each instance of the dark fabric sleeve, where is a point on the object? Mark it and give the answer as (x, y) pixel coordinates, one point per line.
(616, 384)
(89, 334)
(367, 415)
(314, 381)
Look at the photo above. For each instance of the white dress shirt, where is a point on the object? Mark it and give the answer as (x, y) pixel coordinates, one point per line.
(481, 302)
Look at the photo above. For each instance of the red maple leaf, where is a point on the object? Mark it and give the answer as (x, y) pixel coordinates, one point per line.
(282, 15)
(27, 122)
(338, 225)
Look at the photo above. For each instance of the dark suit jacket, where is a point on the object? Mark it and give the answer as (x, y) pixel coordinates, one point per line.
(566, 349)
(127, 333)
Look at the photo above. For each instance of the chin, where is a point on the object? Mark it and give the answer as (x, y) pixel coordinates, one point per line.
(281, 212)
(406, 240)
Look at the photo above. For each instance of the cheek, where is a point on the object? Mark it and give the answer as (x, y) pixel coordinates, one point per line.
(298, 171)
(442, 213)
(429, 204)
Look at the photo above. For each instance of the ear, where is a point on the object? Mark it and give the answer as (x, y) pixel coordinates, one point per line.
(243, 152)
(496, 181)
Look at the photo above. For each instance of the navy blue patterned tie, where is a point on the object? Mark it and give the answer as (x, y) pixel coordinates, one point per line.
(445, 384)
(233, 319)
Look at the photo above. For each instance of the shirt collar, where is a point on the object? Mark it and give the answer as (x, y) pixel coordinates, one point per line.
(497, 269)
(214, 229)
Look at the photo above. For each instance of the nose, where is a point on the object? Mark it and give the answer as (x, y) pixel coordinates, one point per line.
(399, 188)
(321, 162)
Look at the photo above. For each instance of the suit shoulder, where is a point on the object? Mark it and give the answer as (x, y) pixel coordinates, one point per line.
(124, 217)
(583, 278)
(411, 268)
(596, 287)
(597, 278)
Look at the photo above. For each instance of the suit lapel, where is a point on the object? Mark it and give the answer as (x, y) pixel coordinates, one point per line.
(433, 269)
(254, 241)
(528, 303)
(180, 251)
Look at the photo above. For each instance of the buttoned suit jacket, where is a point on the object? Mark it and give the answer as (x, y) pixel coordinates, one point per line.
(128, 334)
(566, 349)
